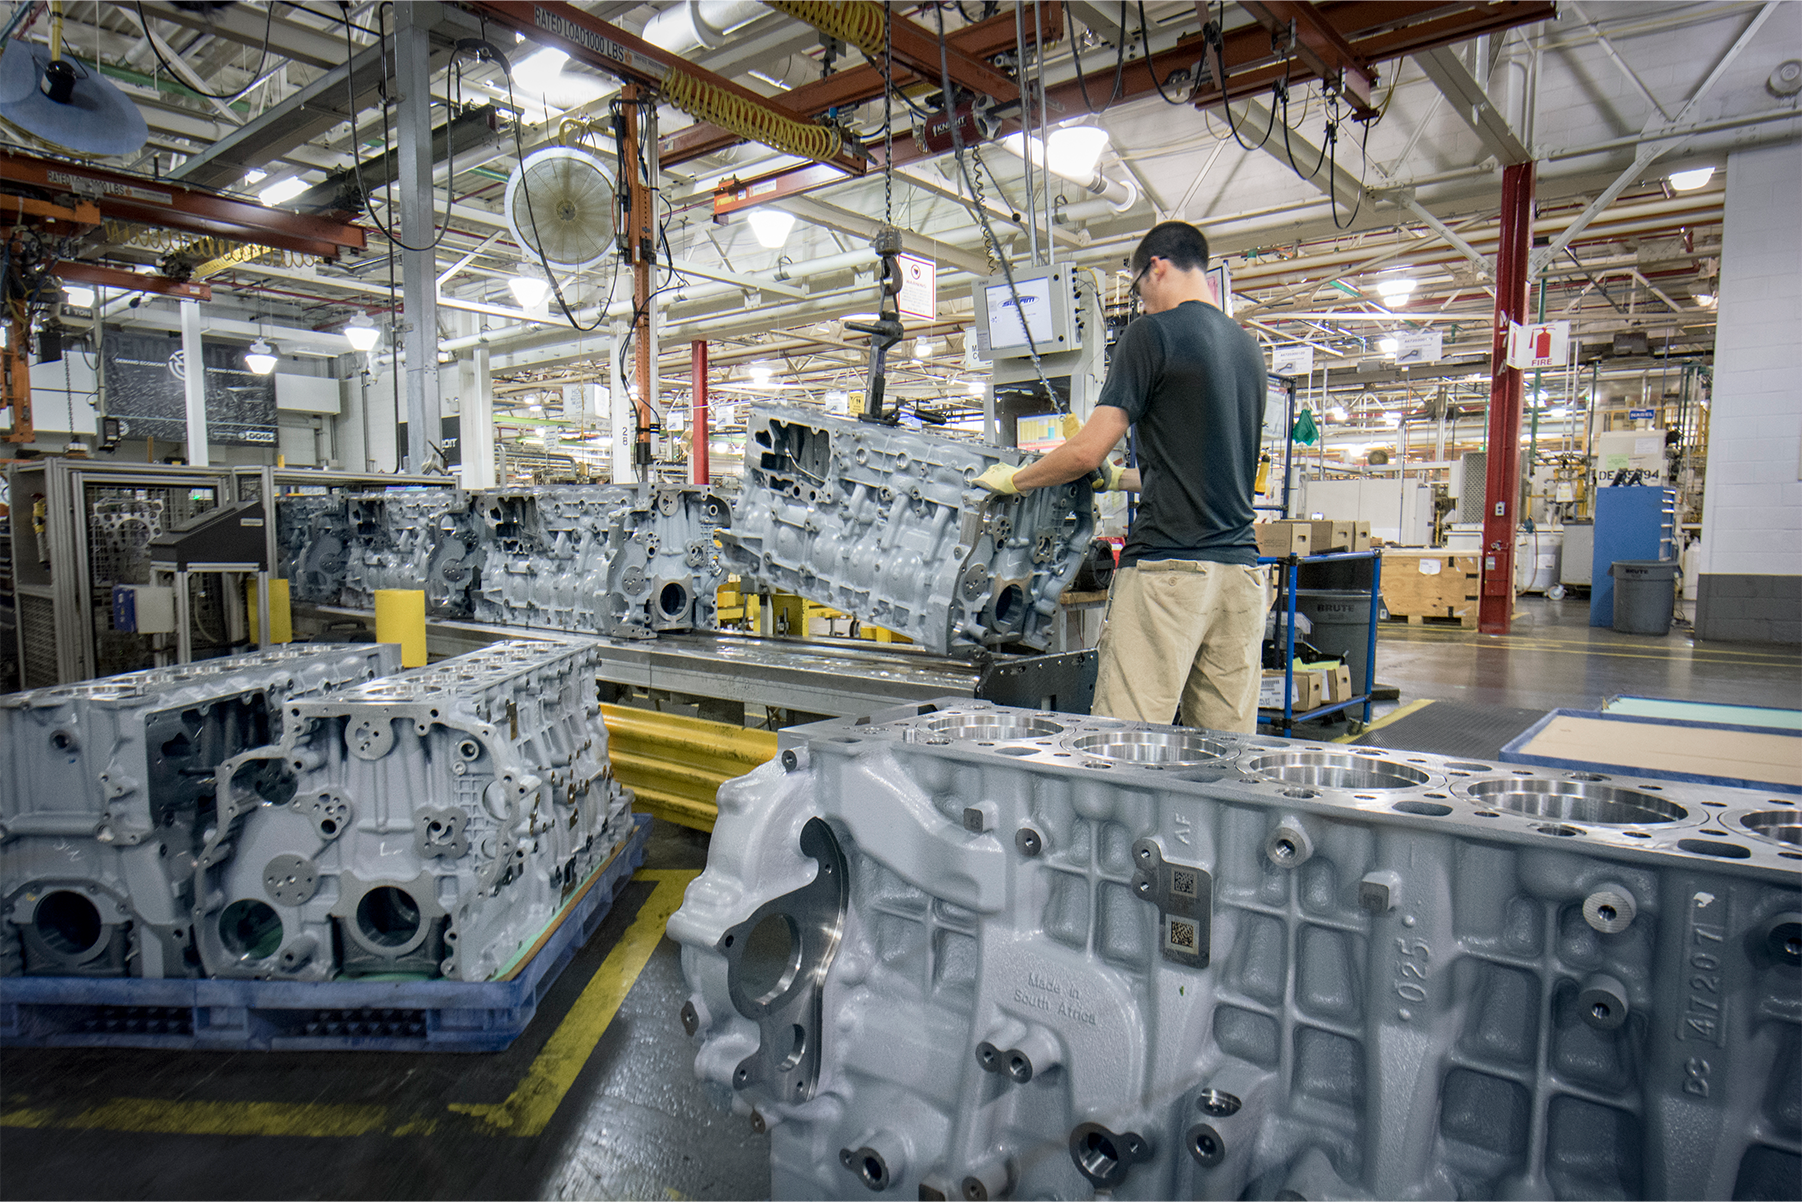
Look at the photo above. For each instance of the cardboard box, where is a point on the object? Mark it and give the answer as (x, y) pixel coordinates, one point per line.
(1339, 685)
(1338, 536)
(1283, 538)
(1309, 692)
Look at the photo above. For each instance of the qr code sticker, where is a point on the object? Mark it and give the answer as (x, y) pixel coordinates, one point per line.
(1182, 881)
(1182, 935)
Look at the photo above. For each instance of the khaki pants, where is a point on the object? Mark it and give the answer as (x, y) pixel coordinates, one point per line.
(1188, 631)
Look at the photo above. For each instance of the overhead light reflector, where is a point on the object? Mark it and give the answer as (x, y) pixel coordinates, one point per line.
(281, 190)
(772, 227)
(260, 358)
(361, 333)
(529, 287)
(1689, 181)
(78, 297)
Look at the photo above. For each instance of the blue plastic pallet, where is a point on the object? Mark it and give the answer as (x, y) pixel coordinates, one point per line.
(334, 1016)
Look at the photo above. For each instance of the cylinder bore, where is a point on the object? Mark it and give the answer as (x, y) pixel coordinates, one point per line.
(388, 917)
(1575, 801)
(1785, 826)
(1336, 770)
(67, 922)
(990, 726)
(1151, 747)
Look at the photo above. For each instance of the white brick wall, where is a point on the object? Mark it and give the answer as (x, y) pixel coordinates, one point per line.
(1752, 513)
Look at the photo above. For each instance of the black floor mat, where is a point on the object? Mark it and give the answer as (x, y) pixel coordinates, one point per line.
(1453, 728)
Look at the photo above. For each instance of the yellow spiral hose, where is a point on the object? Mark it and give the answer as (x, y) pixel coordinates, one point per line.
(857, 22)
(735, 115)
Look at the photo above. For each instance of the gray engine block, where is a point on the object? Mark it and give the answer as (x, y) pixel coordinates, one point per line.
(884, 524)
(412, 539)
(433, 821)
(605, 560)
(978, 952)
(106, 791)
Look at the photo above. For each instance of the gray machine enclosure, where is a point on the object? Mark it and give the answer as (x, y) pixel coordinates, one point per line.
(106, 790)
(974, 952)
(433, 821)
(885, 525)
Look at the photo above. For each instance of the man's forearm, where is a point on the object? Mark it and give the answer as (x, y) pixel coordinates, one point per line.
(1061, 464)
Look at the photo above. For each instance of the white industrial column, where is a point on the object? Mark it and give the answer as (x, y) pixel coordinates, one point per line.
(419, 269)
(194, 381)
(477, 426)
(621, 412)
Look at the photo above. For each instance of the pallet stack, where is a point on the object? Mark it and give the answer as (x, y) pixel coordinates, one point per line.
(1433, 584)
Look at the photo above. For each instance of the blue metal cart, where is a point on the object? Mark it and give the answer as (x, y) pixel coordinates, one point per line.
(1285, 719)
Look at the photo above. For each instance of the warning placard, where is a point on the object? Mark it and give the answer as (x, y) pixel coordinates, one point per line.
(919, 287)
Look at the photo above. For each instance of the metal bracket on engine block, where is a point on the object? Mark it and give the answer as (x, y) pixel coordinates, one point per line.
(1184, 896)
(776, 972)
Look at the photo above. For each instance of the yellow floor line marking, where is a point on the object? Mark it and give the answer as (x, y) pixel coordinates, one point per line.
(525, 1112)
(529, 1108)
(1585, 649)
(1386, 719)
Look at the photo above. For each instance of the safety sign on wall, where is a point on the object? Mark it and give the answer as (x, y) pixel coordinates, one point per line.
(1546, 344)
(919, 287)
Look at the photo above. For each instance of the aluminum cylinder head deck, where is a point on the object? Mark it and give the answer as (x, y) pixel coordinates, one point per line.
(422, 539)
(1075, 957)
(884, 524)
(431, 822)
(106, 789)
(617, 561)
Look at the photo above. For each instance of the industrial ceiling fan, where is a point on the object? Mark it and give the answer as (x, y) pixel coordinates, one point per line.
(560, 204)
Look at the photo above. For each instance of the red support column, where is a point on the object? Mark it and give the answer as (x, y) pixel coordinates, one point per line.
(697, 454)
(1495, 608)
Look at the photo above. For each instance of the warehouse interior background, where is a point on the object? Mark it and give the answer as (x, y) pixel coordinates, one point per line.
(326, 205)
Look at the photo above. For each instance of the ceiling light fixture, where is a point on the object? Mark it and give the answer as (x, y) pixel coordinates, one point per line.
(1396, 291)
(1072, 151)
(924, 347)
(975, 387)
(760, 373)
(1387, 345)
(1705, 299)
(77, 297)
(529, 286)
(281, 190)
(260, 358)
(1689, 181)
(772, 227)
(361, 333)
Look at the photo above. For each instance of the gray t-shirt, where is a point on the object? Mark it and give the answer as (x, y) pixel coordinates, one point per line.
(1194, 385)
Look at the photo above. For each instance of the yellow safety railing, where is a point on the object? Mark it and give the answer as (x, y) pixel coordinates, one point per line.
(676, 765)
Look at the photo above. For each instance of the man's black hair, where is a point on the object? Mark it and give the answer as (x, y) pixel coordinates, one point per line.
(1180, 243)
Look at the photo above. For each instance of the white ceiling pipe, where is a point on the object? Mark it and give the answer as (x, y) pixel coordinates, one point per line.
(1105, 204)
(700, 24)
(498, 340)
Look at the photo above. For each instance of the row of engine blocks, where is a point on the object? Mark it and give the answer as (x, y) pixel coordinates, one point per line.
(303, 813)
(879, 522)
(961, 951)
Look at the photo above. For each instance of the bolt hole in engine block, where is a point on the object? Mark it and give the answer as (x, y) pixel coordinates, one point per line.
(1216, 959)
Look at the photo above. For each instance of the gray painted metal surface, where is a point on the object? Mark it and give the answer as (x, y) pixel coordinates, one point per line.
(430, 822)
(884, 524)
(967, 951)
(106, 793)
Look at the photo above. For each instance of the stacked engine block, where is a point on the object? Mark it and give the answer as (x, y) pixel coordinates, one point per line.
(975, 952)
(603, 560)
(591, 558)
(884, 525)
(430, 822)
(106, 794)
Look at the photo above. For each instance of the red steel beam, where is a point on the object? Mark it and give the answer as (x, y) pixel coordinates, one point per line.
(635, 61)
(983, 40)
(77, 272)
(1495, 604)
(171, 205)
(697, 455)
(1318, 44)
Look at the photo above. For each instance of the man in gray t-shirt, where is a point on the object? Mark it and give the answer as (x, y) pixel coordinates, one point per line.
(1185, 619)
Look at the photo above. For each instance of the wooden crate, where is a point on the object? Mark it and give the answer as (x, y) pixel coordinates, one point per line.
(1431, 583)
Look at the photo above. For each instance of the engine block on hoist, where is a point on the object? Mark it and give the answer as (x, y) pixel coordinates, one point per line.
(884, 524)
(965, 951)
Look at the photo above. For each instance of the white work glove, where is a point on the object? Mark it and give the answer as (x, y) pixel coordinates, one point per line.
(998, 479)
(1107, 477)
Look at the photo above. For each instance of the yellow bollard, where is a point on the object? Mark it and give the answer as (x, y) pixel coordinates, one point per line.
(400, 618)
(281, 615)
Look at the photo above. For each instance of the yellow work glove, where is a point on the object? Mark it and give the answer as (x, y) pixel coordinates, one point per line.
(999, 478)
(1107, 477)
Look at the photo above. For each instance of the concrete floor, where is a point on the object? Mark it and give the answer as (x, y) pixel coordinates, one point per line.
(599, 1093)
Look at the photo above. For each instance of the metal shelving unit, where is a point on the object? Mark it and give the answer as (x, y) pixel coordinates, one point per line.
(1286, 718)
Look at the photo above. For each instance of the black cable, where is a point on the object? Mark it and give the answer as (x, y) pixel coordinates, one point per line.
(255, 76)
(949, 99)
(1151, 68)
(1331, 128)
(1218, 42)
(1119, 62)
(1332, 155)
(356, 155)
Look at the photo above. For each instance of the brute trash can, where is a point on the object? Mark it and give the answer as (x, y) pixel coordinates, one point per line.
(1340, 625)
(1644, 595)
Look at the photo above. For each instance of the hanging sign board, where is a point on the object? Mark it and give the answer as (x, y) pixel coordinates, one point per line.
(1640, 415)
(1418, 346)
(919, 287)
(1293, 359)
(1544, 345)
(146, 378)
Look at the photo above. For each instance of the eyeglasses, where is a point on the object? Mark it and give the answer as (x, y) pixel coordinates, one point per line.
(1140, 278)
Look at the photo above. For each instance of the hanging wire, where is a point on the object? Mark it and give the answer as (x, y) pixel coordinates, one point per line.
(1119, 61)
(1151, 69)
(356, 152)
(256, 77)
